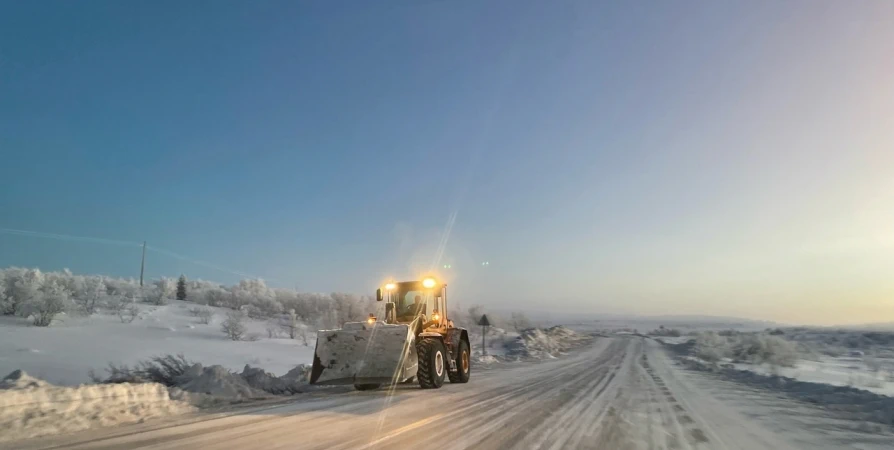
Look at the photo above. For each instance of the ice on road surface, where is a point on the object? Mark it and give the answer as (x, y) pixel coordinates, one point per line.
(619, 393)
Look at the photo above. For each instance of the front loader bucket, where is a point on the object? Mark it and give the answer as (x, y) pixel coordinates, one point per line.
(363, 353)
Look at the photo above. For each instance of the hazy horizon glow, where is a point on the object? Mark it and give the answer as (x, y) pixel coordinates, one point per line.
(685, 158)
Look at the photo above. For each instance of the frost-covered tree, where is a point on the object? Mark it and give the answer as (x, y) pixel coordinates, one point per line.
(351, 308)
(258, 300)
(217, 297)
(310, 307)
(121, 287)
(246, 291)
(287, 298)
(164, 289)
(23, 287)
(51, 299)
(264, 307)
(6, 299)
(181, 287)
(290, 324)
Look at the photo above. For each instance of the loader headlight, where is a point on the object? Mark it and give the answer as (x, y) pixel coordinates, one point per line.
(428, 283)
(371, 320)
(436, 317)
(390, 286)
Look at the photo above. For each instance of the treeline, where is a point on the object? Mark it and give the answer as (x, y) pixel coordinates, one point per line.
(43, 296)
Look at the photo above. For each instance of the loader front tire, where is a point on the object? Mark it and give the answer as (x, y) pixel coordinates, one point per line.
(432, 363)
(463, 364)
(366, 387)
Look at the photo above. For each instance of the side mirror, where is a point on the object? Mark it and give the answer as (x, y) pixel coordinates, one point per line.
(378, 295)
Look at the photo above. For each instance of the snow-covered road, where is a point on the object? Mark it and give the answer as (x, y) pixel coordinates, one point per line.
(620, 393)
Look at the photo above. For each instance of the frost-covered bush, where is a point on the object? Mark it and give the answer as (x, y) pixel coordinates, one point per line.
(124, 307)
(751, 348)
(234, 325)
(216, 296)
(158, 369)
(666, 332)
(90, 294)
(205, 316)
(765, 349)
(273, 331)
(519, 321)
(711, 346)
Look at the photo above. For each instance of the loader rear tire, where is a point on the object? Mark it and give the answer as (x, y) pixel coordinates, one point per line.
(432, 363)
(366, 387)
(463, 365)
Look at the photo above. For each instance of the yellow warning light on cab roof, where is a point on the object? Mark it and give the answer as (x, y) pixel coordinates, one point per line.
(390, 286)
(428, 283)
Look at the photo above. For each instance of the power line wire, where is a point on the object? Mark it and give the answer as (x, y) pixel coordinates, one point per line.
(162, 251)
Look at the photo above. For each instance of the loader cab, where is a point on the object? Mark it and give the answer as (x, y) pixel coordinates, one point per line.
(406, 301)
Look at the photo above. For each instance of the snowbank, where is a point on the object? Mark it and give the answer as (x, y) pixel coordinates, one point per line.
(30, 407)
(544, 343)
(290, 383)
(673, 340)
(214, 381)
(855, 403)
(218, 382)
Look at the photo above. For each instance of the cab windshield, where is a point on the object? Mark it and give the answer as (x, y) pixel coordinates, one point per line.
(410, 300)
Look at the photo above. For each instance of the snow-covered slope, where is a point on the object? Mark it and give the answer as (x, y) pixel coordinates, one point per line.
(64, 353)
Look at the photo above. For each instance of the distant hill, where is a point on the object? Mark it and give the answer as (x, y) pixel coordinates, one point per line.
(649, 322)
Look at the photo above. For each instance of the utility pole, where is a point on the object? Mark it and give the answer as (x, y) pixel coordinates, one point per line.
(142, 263)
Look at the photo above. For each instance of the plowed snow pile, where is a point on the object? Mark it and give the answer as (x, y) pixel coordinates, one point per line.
(218, 382)
(288, 384)
(30, 407)
(544, 343)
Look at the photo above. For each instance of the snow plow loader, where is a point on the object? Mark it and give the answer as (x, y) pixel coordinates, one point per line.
(415, 340)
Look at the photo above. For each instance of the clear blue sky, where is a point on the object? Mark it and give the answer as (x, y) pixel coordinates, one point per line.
(649, 157)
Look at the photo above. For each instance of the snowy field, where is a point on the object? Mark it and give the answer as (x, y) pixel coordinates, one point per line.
(857, 359)
(64, 353)
(851, 372)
